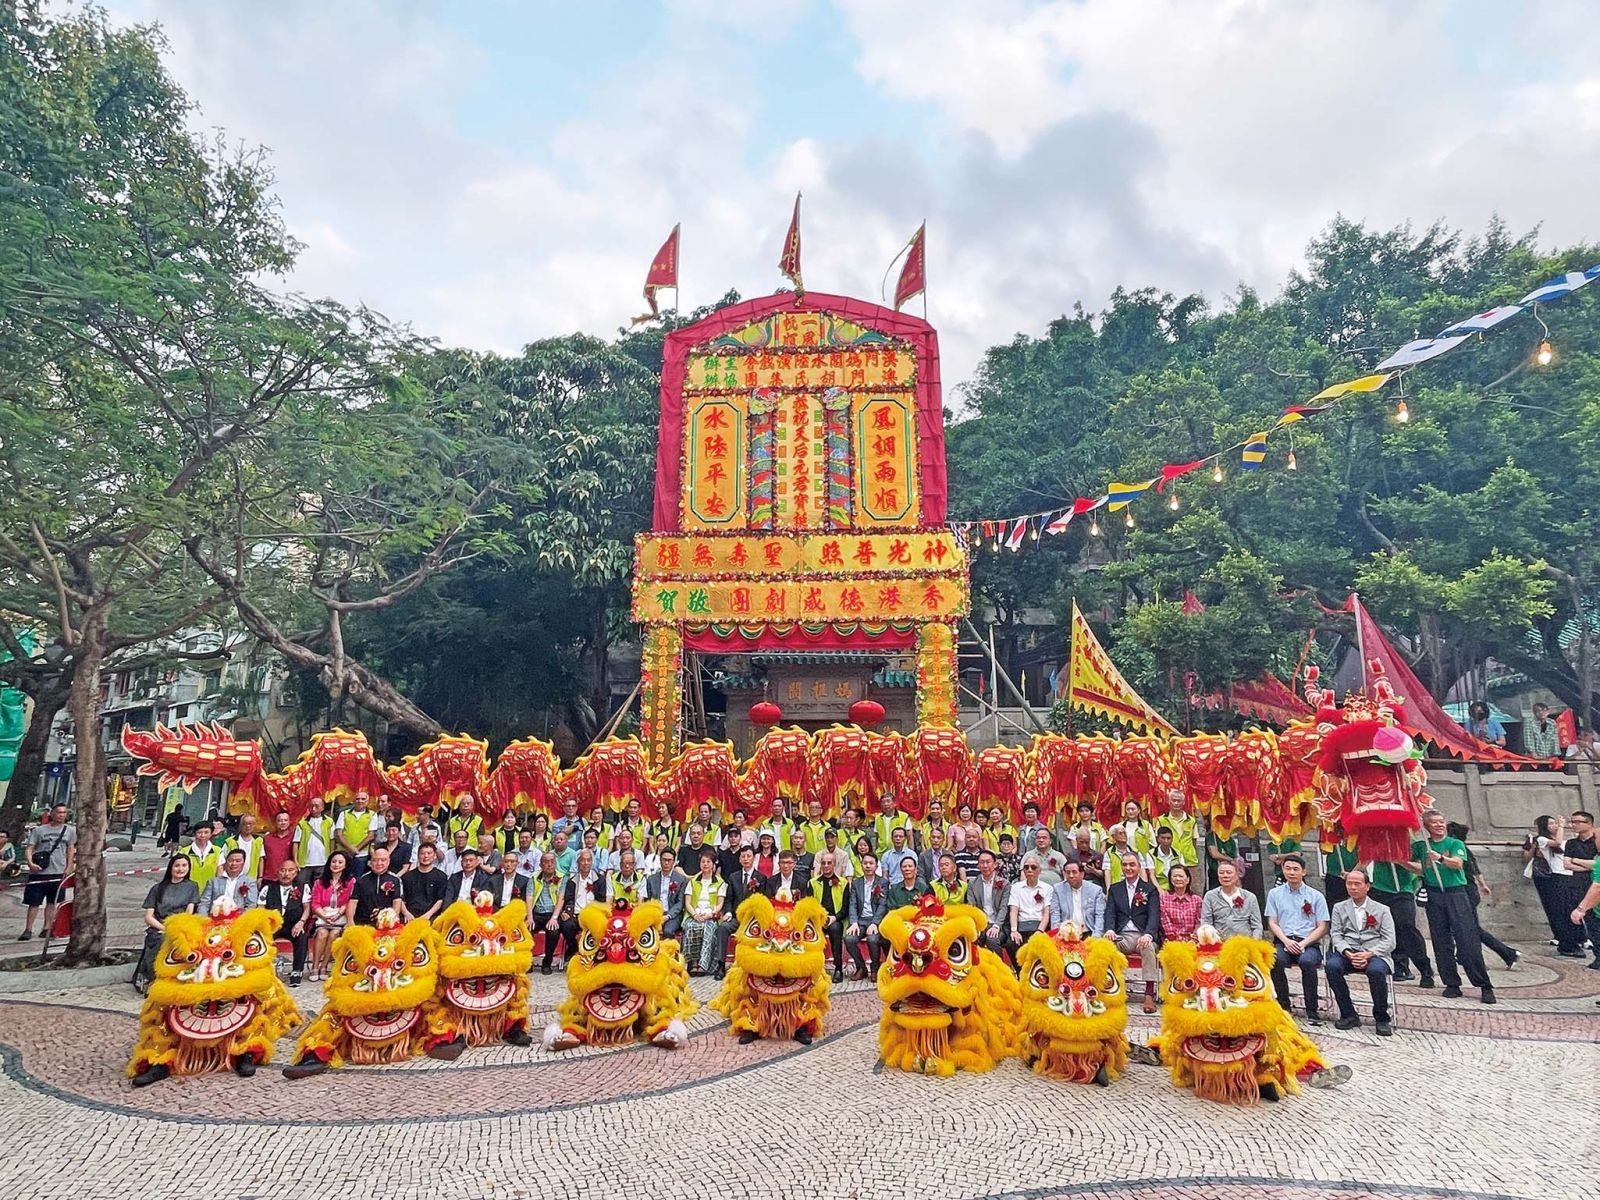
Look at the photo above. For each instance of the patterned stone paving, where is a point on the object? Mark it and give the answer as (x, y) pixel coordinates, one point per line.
(1465, 1101)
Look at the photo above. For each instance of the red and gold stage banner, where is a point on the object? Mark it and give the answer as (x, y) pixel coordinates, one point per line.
(707, 556)
(864, 598)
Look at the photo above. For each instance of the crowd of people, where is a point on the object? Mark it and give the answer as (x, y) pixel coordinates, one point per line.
(1143, 881)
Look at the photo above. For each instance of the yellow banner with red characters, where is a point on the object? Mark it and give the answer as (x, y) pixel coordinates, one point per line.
(1095, 684)
(689, 556)
(852, 369)
(928, 597)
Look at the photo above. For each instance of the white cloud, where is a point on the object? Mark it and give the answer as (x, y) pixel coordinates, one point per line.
(1057, 149)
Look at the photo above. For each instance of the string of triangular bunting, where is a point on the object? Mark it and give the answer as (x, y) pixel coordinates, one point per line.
(1011, 532)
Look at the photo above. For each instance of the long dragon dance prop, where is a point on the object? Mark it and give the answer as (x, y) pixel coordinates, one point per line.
(1256, 780)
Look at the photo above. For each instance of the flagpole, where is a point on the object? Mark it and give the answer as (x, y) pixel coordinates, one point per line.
(1361, 642)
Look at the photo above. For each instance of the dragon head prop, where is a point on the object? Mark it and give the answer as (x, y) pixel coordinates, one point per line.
(626, 982)
(485, 956)
(216, 995)
(379, 1001)
(1074, 1005)
(779, 984)
(1222, 1031)
(946, 1004)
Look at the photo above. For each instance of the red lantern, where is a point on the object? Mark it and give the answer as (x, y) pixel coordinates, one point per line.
(866, 713)
(765, 712)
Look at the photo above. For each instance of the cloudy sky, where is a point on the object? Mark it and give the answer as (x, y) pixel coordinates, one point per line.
(496, 172)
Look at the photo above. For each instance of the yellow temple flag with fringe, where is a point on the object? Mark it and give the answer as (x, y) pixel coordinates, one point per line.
(1095, 685)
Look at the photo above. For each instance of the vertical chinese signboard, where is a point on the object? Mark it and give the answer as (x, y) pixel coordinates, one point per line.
(799, 499)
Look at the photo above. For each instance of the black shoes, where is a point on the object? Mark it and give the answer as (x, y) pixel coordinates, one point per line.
(244, 1066)
(838, 976)
(1102, 1077)
(518, 1037)
(1451, 993)
(545, 970)
(1488, 996)
(803, 1036)
(449, 1051)
(304, 1069)
(1347, 1023)
(1425, 982)
(295, 978)
(1269, 1092)
(154, 1073)
(1385, 1029)
(1403, 977)
(746, 1036)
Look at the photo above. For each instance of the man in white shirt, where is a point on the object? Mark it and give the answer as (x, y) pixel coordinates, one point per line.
(450, 860)
(1030, 907)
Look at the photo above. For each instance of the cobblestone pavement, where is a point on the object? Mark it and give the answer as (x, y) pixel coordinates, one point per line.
(1465, 1101)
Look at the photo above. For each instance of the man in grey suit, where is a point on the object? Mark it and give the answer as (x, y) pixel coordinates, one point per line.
(1228, 908)
(988, 890)
(1079, 900)
(669, 886)
(866, 903)
(230, 883)
(1363, 939)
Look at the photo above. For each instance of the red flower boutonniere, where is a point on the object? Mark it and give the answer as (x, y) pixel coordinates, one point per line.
(1238, 901)
(1038, 897)
(672, 890)
(1306, 908)
(1372, 921)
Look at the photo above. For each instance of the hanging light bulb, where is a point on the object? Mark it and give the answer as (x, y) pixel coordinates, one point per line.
(1216, 473)
(1130, 518)
(1545, 353)
(1402, 413)
(1033, 534)
(1173, 503)
(1291, 464)
(1094, 526)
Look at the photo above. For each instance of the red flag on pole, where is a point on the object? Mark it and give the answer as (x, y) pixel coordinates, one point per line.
(789, 264)
(663, 274)
(914, 273)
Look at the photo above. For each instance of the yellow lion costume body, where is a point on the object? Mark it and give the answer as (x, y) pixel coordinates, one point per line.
(947, 1006)
(778, 987)
(216, 1001)
(1074, 1006)
(485, 957)
(379, 1004)
(1222, 1031)
(626, 983)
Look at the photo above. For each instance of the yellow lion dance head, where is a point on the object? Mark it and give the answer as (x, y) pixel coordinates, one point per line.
(778, 986)
(1074, 1006)
(485, 959)
(946, 1004)
(1222, 1032)
(216, 998)
(627, 981)
(379, 1002)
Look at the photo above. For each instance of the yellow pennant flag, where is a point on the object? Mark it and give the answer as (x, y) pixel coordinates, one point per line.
(1095, 684)
(1367, 383)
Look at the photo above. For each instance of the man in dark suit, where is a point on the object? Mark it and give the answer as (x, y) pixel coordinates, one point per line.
(668, 886)
(742, 884)
(507, 885)
(1133, 921)
(866, 903)
(469, 880)
(790, 879)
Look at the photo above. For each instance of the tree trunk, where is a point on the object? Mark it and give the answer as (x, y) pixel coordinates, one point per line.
(90, 811)
(23, 793)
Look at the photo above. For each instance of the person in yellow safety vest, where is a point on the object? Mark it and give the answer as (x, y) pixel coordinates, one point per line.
(934, 820)
(999, 827)
(313, 840)
(248, 841)
(947, 885)
(355, 830)
(204, 856)
(888, 820)
(778, 824)
(466, 818)
(815, 828)
(1141, 833)
(666, 824)
(1187, 832)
